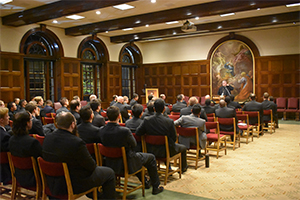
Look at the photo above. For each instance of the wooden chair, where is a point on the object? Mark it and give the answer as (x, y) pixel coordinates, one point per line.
(24, 163)
(92, 148)
(256, 127)
(211, 119)
(292, 107)
(174, 117)
(175, 113)
(120, 152)
(48, 120)
(193, 152)
(39, 138)
(215, 137)
(163, 140)
(59, 170)
(243, 124)
(210, 114)
(281, 106)
(138, 139)
(270, 124)
(229, 122)
(56, 105)
(4, 161)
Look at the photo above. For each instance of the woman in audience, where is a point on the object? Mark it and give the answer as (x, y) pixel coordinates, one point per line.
(23, 145)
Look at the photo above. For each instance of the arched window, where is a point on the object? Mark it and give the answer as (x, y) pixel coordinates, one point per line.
(130, 58)
(93, 54)
(41, 48)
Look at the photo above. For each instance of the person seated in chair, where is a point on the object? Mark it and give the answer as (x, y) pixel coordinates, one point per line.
(268, 105)
(98, 120)
(64, 145)
(188, 110)
(208, 108)
(179, 104)
(190, 121)
(114, 135)
(160, 125)
(253, 105)
(64, 105)
(123, 108)
(74, 109)
(37, 126)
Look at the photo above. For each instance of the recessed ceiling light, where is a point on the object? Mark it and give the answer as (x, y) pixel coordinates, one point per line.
(219, 27)
(54, 21)
(252, 4)
(258, 9)
(106, 31)
(123, 7)
(188, 13)
(138, 21)
(174, 33)
(292, 5)
(153, 1)
(98, 12)
(127, 29)
(75, 17)
(5, 1)
(227, 14)
(147, 25)
(173, 22)
(136, 37)
(196, 18)
(274, 20)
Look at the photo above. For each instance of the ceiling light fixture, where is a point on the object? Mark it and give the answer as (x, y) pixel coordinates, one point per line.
(153, 1)
(98, 12)
(219, 27)
(196, 18)
(106, 31)
(5, 1)
(138, 21)
(127, 29)
(174, 33)
(147, 25)
(227, 14)
(258, 9)
(75, 17)
(54, 21)
(123, 7)
(173, 22)
(292, 5)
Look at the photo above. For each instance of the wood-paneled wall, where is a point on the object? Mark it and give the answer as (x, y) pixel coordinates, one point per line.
(11, 76)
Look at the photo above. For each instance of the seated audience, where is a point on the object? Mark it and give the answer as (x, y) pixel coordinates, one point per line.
(4, 135)
(135, 121)
(96, 107)
(149, 111)
(114, 100)
(190, 121)
(23, 145)
(65, 146)
(74, 108)
(163, 97)
(125, 103)
(160, 125)
(123, 108)
(208, 108)
(11, 110)
(253, 105)
(77, 98)
(2, 104)
(268, 105)
(64, 105)
(212, 102)
(17, 102)
(134, 99)
(92, 97)
(228, 101)
(178, 105)
(234, 103)
(22, 103)
(47, 109)
(86, 130)
(150, 97)
(188, 110)
(39, 101)
(114, 135)
(37, 126)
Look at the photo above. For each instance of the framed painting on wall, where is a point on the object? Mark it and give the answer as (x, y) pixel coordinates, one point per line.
(153, 91)
(233, 61)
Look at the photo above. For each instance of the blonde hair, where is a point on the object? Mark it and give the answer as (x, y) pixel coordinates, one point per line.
(3, 112)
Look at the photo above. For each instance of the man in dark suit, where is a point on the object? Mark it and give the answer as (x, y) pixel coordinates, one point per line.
(225, 89)
(64, 105)
(4, 136)
(252, 105)
(136, 120)
(11, 110)
(228, 101)
(234, 103)
(37, 126)
(188, 110)
(208, 108)
(65, 146)
(178, 105)
(268, 105)
(47, 109)
(86, 130)
(123, 108)
(134, 99)
(114, 135)
(74, 108)
(98, 119)
(23, 145)
(115, 97)
(149, 111)
(160, 125)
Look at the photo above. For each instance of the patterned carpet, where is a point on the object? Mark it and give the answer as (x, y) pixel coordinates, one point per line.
(268, 168)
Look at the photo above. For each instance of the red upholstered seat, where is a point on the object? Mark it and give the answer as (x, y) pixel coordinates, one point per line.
(216, 137)
(246, 128)
(229, 122)
(210, 119)
(292, 107)
(174, 117)
(137, 138)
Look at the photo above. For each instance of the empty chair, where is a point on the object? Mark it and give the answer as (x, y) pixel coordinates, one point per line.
(117, 152)
(163, 140)
(215, 137)
(243, 124)
(281, 106)
(292, 106)
(59, 170)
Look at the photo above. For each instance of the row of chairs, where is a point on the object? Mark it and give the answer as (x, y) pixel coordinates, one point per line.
(290, 105)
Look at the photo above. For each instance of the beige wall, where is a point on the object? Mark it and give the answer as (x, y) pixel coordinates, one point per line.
(273, 41)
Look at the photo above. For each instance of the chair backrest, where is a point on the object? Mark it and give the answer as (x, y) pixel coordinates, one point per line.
(48, 114)
(56, 105)
(253, 114)
(238, 111)
(281, 102)
(83, 103)
(39, 138)
(122, 124)
(3, 158)
(174, 117)
(210, 114)
(103, 114)
(48, 120)
(227, 122)
(210, 119)
(137, 137)
(187, 132)
(156, 140)
(213, 126)
(243, 117)
(53, 115)
(91, 147)
(292, 103)
(175, 113)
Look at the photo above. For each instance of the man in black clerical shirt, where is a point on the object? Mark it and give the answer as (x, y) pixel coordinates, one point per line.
(225, 89)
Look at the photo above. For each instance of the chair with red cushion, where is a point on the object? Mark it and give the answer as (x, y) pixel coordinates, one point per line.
(211, 119)
(83, 103)
(175, 113)
(210, 114)
(174, 117)
(59, 170)
(56, 105)
(229, 122)
(48, 120)
(48, 115)
(104, 114)
(292, 106)
(122, 124)
(24, 163)
(193, 152)
(92, 148)
(270, 123)
(39, 138)
(170, 107)
(257, 126)
(243, 124)
(119, 152)
(215, 137)
(5, 169)
(238, 111)
(281, 106)
(163, 140)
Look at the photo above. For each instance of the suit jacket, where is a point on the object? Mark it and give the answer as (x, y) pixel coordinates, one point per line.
(77, 117)
(123, 111)
(37, 127)
(112, 103)
(133, 123)
(254, 106)
(47, 109)
(188, 111)
(158, 125)
(63, 146)
(63, 108)
(25, 146)
(98, 120)
(4, 135)
(147, 114)
(225, 90)
(234, 104)
(11, 115)
(133, 102)
(269, 105)
(89, 133)
(226, 112)
(114, 135)
(4, 168)
(189, 121)
(177, 106)
(209, 109)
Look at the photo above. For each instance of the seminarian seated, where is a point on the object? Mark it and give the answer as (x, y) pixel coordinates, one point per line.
(253, 105)
(208, 108)
(179, 104)
(114, 135)
(188, 110)
(160, 125)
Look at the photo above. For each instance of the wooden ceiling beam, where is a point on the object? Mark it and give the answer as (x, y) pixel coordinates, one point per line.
(56, 10)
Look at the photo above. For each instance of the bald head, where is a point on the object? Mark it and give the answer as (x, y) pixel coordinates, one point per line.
(252, 96)
(120, 99)
(193, 101)
(266, 95)
(207, 97)
(222, 103)
(64, 120)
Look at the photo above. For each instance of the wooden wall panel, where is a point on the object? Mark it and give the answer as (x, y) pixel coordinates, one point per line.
(11, 76)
